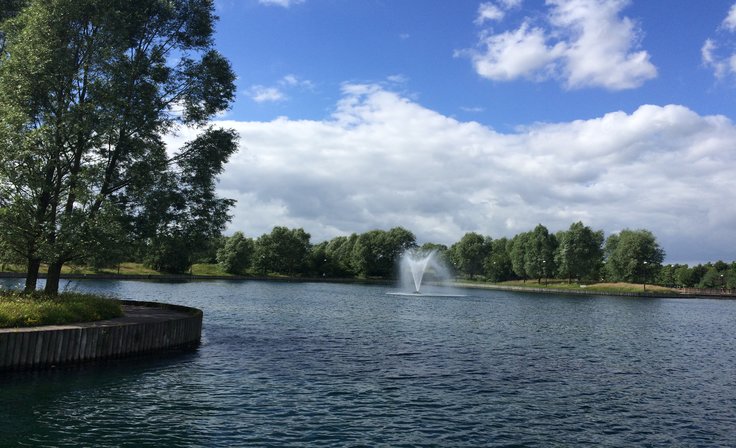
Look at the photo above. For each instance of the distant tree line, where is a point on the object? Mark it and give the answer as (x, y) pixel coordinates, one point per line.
(578, 254)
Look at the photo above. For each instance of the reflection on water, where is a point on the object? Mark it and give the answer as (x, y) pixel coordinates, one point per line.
(286, 364)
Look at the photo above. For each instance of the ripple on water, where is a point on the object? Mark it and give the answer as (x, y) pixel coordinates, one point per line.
(342, 365)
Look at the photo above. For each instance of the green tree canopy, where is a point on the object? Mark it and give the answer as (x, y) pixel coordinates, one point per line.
(282, 251)
(236, 254)
(579, 252)
(470, 253)
(498, 266)
(88, 89)
(376, 252)
(633, 256)
(540, 246)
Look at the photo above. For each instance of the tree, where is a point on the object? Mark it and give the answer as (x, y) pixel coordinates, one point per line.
(376, 252)
(580, 252)
(283, 251)
(235, 256)
(540, 247)
(180, 208)
(517, 250)
(339, 251)
(498, 266)
(470, 253)
(633, 256)
(88, 88)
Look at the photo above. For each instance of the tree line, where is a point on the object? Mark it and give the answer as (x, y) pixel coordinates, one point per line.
(578, 254)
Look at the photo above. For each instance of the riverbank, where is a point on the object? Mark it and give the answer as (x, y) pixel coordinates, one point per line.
(617, 289)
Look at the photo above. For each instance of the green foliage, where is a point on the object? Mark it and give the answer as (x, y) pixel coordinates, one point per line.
(25, 310)
(235, 256)
(539, 253)
(339, 253)
(171, 255)
(633, 256)
(498, 266)
(88, 88)
(470, 253)
(283, 251)
(376, 252)
(517, 254)
(579, 253)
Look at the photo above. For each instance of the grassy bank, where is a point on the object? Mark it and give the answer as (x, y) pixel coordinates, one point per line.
(28, 310)
(558, 285)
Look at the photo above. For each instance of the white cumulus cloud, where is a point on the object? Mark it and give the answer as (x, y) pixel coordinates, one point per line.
(383, 160)
(719, 52)
(495, 11)
(276, 93)
(282, 3)
(584, 43)
(263, 94)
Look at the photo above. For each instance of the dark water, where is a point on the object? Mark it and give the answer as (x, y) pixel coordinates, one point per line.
(342, 365)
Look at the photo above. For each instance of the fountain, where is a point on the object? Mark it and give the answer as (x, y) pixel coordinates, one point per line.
(417, 264)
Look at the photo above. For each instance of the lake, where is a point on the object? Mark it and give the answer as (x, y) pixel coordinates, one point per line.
(319, 364)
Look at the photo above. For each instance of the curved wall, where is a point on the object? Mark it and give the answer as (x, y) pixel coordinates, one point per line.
(146, 327)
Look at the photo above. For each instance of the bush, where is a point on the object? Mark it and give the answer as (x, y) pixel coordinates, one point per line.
(27, 310)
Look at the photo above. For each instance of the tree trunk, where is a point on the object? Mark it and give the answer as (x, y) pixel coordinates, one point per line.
(52, 278)
(32, 267)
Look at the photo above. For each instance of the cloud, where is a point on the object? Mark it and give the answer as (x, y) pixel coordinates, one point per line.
(519, 53)
(583, 43)
(489, 11)
(282, 3)
(719, 52)
(730, 21)
(495, 12)
(292, 80)
(276, 93)
(263, 94)
(382, 160)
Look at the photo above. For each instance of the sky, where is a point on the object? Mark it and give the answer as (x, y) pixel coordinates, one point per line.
(447, 117)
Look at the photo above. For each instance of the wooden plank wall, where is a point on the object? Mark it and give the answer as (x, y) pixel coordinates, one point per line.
(37, 348)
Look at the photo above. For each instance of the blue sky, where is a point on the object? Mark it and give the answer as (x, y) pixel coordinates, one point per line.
(453, 116)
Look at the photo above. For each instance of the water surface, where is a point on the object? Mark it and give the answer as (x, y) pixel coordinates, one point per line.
(288, 364)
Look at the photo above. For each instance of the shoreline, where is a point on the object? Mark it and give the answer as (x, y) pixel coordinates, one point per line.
(685, 294)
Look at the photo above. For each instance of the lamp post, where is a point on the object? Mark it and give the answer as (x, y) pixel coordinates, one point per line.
(544, 270)
(645, 276)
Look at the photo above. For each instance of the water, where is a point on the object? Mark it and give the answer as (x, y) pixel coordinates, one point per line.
(285, 364)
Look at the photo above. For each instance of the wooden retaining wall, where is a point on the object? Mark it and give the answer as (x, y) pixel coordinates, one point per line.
(147, 327)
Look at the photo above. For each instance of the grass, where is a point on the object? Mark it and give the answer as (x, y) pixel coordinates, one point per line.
(27, 310)
(612, 288)
(208, 269)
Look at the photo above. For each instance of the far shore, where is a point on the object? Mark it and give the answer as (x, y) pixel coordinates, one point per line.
(529, 287)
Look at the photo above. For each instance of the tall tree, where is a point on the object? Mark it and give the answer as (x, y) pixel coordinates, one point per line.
(498, 266)
(539, 255)
(237, 253)
(376, 252)
(283, 251)
(517, 250)
(579, 252)
(470, 253)
(633, 256)
(88, 89)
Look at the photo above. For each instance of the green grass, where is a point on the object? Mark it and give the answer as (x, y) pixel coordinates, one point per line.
(208, 269)
(613, 288)
(28, 310)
